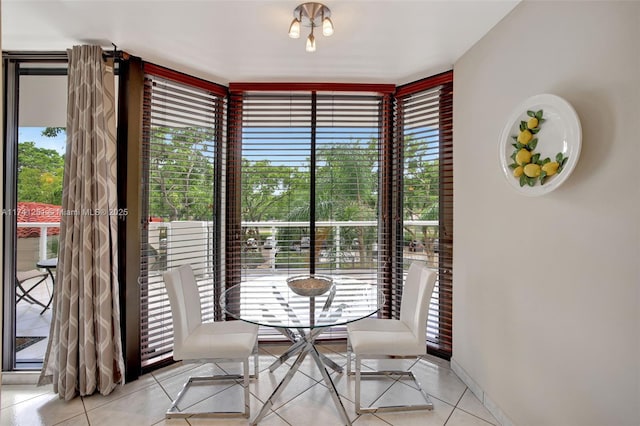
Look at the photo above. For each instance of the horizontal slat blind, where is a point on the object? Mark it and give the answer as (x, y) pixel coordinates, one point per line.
(424, 148)
(269, 152)
(347, 184)
(182, 126)
(309, 190)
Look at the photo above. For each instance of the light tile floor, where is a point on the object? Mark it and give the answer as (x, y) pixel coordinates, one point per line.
(305, 402)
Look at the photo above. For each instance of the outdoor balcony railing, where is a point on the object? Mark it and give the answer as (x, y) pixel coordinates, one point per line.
(45, 249)
(341, 242)
(344, 247)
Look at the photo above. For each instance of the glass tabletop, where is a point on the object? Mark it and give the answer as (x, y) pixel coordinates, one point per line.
(270, 302)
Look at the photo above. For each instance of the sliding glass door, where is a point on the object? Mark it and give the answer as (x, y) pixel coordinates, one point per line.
(34, 161)
(304, 185)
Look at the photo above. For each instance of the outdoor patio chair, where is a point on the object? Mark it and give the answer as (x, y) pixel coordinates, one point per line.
(21, 279)
(374, 338)
(195, 341)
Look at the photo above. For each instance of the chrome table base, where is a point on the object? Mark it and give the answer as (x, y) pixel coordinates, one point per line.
(305, 346)
(297, 347)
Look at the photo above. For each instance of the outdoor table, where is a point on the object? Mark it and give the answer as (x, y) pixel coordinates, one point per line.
(49, 265)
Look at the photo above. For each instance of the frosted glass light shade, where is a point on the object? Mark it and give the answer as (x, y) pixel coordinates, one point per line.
(311, 43)
(294, 29)
(327, 27)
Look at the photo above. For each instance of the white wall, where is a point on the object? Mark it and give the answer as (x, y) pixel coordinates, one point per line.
(43, 100)
(546, 297)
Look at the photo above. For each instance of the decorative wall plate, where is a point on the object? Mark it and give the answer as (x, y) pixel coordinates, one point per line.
(540, 144)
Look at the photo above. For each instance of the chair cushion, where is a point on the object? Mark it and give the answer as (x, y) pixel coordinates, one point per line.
(373, 336)
(377, 324)
(235, 326)
(225, 339)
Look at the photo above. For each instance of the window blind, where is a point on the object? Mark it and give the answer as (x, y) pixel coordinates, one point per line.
(183, 126)
(424, 157)
(309, 168)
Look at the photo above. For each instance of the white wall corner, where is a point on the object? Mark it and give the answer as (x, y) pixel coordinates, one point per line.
(474, 387)
(466, 378)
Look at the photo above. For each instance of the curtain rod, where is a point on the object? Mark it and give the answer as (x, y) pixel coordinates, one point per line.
(40, 56)
(57, 55)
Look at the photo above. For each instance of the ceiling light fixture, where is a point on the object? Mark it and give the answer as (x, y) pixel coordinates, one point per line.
(311, 15)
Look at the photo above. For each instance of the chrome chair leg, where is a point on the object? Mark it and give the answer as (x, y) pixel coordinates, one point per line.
(428, 405)
(349, 352)
(175, 412)
(256, 361)
(358, 366)
(245, 385)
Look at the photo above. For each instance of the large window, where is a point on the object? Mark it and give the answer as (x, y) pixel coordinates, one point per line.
(424, 149)
(337, 179)
(308, 193)
(321, 182)
(183, 126)
(348, 181)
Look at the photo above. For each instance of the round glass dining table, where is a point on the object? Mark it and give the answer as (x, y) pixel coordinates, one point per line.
(268, 301)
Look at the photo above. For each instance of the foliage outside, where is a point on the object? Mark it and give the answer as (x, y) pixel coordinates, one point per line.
(40, 174)
(182, 173)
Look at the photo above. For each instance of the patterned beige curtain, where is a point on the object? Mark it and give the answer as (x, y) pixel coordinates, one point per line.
(85, 349)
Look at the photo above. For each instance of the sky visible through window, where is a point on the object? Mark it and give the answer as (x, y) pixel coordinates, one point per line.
(290, 146)
(34, 134)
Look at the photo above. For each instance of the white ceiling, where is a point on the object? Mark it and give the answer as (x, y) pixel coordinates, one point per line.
(392, 41)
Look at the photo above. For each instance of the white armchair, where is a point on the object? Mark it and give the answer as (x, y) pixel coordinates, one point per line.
(195, 341)
(373, 338)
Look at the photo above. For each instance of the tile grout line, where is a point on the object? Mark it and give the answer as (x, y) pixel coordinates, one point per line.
(455, 406)
(272, 411)
(86, 413)
(465, 411)
(329, 351)
(205, 398)
(21, 402)
(297, 396)
(379, 418)
(162, 387)
(466, 388)
(84, 409)
(468, 412)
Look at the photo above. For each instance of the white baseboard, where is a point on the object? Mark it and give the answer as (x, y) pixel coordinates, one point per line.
(20, 377)
(488, 403)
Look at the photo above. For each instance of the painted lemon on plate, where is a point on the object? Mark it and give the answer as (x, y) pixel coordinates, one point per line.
(528, 166)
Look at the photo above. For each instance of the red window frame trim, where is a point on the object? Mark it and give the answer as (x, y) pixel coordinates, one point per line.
(424, 84)
(240, 87)
(179, 77)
